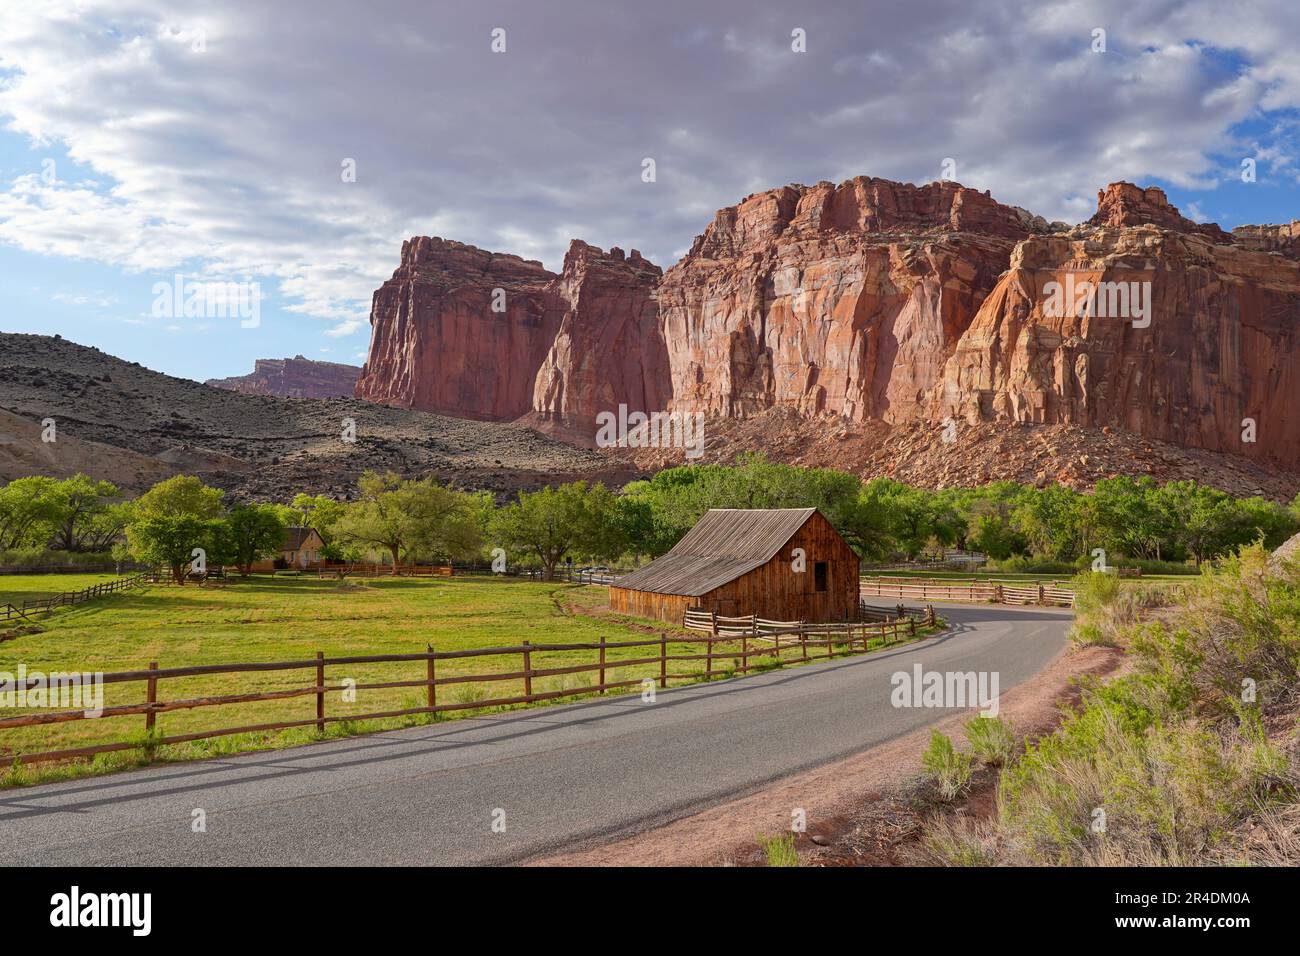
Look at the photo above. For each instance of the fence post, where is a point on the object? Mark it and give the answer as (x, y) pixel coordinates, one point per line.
(602, 663)
(431, 694)
(320, 692)
(803, 638)
(713, 623)
(528, 671)
(152, 697)
(708, 673)
(663, 659)
(830, 643)
(1041, 595)
(911, 626)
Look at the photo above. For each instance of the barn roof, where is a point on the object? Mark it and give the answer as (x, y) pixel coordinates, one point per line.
(723, 545)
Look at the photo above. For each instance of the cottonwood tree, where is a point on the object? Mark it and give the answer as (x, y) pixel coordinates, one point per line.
(87, 518)
(180, 495)
(249, 534)
(404, 518)
(550, 524)
(170, 540)
(28, 508)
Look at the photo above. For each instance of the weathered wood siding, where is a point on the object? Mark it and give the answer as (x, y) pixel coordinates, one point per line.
(774, 590)
(662, 607)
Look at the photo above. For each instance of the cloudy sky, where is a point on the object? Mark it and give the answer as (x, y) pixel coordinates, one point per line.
(142, 139)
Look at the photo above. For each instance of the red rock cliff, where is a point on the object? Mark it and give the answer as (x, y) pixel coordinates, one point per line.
(438, 345)
(825, 298)
(873, 301)
(1221, 342)
(608, 349)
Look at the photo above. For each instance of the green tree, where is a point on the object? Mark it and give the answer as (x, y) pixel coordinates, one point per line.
(170, 540)
(180, 495)
(29, 508)
(404, 519)
(556, 522)
(86, 519)
(249, 534)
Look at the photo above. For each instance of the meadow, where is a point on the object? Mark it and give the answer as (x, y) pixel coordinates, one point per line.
(278, 618)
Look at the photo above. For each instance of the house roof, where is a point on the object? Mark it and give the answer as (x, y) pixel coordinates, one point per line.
(295, 536)
(724, 544)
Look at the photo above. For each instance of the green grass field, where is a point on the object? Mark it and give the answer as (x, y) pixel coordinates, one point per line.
(16, 588)
(269, 618)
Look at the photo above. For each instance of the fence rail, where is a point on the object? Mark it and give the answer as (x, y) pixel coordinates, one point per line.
(775, 644)
(68, 598)
(753, 626)
(987, 591)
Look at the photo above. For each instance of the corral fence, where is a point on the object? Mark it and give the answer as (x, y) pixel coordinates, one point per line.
(663, 659)
(878, 622)
(989, 591)
(69, 598)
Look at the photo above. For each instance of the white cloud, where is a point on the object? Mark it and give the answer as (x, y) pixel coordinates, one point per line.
(226, 163)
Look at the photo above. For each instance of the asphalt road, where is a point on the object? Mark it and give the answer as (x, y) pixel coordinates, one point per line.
(564, 776)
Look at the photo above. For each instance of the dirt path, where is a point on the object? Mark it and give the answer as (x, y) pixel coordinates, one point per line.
(833, 796)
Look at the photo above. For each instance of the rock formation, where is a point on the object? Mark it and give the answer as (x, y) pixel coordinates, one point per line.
(872, 302)
(460, 331)
(1215, 363)
(827, 298)
(609, 349)
(295, 377)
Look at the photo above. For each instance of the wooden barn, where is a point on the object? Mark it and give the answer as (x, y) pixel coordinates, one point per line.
(742, 561)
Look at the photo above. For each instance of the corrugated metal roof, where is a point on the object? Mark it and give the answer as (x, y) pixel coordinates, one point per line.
(723, 545)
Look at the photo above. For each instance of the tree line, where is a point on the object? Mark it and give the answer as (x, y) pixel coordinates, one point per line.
(396, 521)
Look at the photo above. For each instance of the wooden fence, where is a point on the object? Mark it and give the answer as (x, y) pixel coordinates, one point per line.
(987, 591)
(775, 645)
(753, 626)
(67, 598)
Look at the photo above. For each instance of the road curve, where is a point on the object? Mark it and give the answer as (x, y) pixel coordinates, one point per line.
(564, 776)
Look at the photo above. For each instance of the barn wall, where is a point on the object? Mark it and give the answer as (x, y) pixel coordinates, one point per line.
(777, 592)
(663, 607)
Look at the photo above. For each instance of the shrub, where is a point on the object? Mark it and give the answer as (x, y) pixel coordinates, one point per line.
(956, 843)
(780, 850)
(1124, 782)
(992, 739)
(1105, 608)
(948, 767)
(1236, 645)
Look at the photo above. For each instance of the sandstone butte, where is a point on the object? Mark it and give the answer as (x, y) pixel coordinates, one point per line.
(296, 377)
(872, 302)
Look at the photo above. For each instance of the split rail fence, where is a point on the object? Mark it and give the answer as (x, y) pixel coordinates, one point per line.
(996, 592)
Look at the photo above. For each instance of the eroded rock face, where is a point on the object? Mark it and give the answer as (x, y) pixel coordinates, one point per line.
(437, 344)
(842, 299)
(1283, 239)
(296, 377)
(608, 349)
(1222, 345)
(1124, 204)
(870, 301)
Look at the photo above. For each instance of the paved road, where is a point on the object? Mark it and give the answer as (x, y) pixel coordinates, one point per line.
(565, 776)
